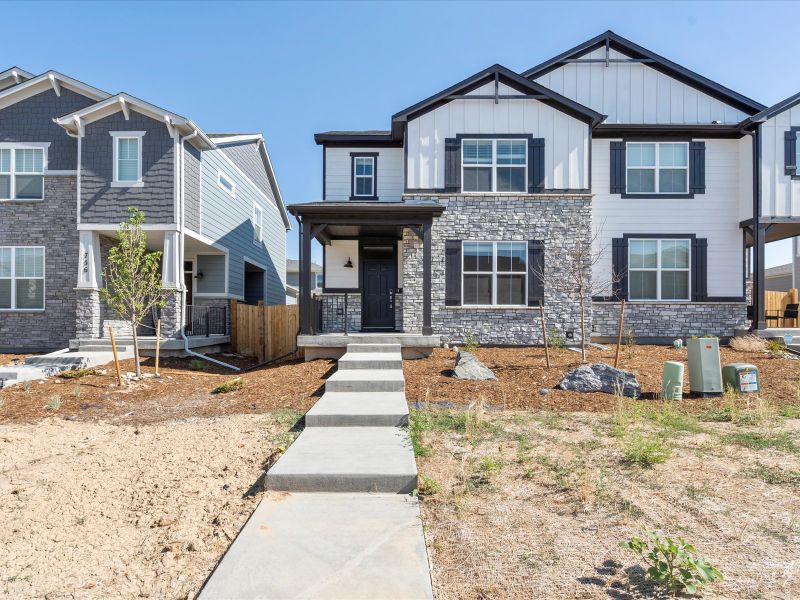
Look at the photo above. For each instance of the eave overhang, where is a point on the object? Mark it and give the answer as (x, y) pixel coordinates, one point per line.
(49, 80)
(626, 130)
(659, 63)
(750, 123)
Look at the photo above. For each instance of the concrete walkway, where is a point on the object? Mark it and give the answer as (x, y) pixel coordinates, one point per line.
(339, 521)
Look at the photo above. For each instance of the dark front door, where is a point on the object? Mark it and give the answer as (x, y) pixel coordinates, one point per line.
(378, 295)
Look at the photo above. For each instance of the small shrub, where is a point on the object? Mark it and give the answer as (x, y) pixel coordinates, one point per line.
(26, 385)
(775, 348)
(427, 486)
(197, 365)
(229, 386)
(470, 342)
(556, 339)
(77, 373)
(673, 563)
(55, 402)
(630, 342)
(748, 343)
(645, 451)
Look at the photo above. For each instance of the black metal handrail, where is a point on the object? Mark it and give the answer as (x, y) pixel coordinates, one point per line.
(206, 320)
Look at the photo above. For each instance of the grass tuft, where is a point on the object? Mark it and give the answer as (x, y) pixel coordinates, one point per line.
(645, 451)
(755, 440)
(229, 386)
(774, 475)
(77, 373)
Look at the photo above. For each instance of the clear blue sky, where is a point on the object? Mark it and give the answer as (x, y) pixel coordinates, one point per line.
(291, 69)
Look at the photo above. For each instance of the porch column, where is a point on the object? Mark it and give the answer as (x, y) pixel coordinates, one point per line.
(759, 238)
(427, 329)
(87, 316)
(306, 315)
(172, 279)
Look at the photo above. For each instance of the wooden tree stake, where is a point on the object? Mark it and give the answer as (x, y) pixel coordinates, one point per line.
(544, 336)
(158, 344)
(619, 333)
(116, 358)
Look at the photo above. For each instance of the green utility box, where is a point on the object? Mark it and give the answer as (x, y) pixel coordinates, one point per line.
(705, 372)
(672, 381)
(741, 377)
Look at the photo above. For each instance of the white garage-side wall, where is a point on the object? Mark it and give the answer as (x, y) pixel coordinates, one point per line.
(566, 138)
(780, 194)
(338, 169)
(712, 215)
(635, 93)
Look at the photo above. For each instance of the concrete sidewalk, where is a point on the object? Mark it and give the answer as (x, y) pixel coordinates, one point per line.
(338, 522)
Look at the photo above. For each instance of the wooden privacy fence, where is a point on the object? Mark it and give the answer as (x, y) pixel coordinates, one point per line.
(266, 332)
(775, 303)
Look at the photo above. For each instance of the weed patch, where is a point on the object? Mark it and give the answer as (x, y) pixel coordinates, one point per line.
(774, 475)
(645, 451)
(229, 386)
(77, 373)
(754, 440)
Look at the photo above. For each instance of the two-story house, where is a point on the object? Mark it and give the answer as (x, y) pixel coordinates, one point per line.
(73, 158)
(470, 210)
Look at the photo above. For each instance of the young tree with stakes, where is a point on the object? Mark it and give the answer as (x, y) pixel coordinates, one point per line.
(133, 278)
(575, 278)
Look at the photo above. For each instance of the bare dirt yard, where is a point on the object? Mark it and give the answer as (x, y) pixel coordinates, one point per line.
(533, 503)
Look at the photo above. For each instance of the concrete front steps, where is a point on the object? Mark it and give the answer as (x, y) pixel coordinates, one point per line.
(338, 521)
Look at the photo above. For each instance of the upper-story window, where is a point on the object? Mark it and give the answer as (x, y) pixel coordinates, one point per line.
(21, 278)
(659, 269)
(127, 158)
(258, 216)
(364, 182)
(22, 172)
(494, 165)
(657, 168)
(226, 183)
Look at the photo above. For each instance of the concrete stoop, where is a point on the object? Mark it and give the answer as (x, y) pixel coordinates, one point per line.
(338, 521)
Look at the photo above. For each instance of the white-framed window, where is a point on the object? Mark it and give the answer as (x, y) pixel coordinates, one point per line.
(127, 158)
(21, 278)
(22, 171)
(226, 183)
(659, 269)
(364, 176)
(494, 273)
(657, 168)
(494, 165)
(258, 216)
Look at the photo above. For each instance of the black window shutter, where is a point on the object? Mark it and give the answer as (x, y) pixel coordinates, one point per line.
(452, 165)
(697, 167)
(536, 166)
(619, 268)
(617, 168)
(699, 269)
(790, 152)
(452, 272)
(535, 272)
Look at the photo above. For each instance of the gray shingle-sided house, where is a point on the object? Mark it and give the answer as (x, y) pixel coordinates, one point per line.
(73, 158)
(464, 214)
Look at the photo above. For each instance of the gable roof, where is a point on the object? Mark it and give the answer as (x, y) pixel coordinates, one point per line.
(771, 111)
(223, 139)
(653, 60)
(15, 73)
(504, 75)
(50, 79)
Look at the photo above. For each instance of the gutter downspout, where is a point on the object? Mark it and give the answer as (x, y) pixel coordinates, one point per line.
(181, 241)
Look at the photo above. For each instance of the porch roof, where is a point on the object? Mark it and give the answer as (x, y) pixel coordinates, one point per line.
(777, 228)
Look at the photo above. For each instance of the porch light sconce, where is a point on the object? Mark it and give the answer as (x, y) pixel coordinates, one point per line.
(199, 275)
(348, 264)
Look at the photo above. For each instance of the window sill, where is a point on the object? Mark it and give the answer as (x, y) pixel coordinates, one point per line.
(127, 184)
(22, 310)
(21, 200)
(627, 196)
(492, 306)
(365, 198)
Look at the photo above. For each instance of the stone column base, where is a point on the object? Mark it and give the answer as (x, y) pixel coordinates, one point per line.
(87, 313)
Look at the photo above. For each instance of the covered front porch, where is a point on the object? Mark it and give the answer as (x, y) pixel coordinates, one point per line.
(377, 273)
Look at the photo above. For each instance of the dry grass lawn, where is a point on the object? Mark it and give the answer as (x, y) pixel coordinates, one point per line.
(534, 504)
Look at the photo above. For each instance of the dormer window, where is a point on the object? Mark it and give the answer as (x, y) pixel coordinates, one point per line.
(127, 158)
(21, 172)
(494, 165)
(364, 184)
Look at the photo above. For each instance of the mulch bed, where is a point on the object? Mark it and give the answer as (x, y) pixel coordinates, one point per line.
(179, 393)
(521, 373)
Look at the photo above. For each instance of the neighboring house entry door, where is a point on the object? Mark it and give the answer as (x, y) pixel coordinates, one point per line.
(379, 274)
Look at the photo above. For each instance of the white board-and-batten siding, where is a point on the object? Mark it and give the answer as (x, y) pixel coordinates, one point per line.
(338, 173)
(712, 215)
(566, 138)
(780, 194)
(635, 93)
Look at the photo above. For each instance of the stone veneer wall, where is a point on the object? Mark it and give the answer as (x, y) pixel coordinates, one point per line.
(333, 312)
(662, 322)
(562, 221)
(49, 223)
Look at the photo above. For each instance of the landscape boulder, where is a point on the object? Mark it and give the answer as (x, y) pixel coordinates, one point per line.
(598, 377)
(469, 367)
